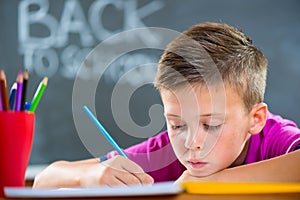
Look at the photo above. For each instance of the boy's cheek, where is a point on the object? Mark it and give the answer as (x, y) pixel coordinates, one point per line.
(178, 144)
(177, 136)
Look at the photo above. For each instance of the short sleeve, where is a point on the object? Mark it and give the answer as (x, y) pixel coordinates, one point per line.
(156, 157)
(281, 136)
(278, 137)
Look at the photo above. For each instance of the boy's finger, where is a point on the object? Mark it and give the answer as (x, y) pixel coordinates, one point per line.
(128, 178)
(144, 178)
(115, 181)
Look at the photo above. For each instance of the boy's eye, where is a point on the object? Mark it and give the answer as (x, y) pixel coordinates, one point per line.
(211, 128)
(176, 127)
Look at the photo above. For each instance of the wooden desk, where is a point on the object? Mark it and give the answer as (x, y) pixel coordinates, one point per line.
(185, 196)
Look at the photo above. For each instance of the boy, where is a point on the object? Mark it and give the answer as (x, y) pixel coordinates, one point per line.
(212, 82)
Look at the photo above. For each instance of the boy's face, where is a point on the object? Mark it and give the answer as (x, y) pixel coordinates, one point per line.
(207, 128)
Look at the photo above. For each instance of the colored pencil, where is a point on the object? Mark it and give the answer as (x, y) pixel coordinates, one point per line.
(19, 91)
(12, 96)
(239, 188)
(24, 91)
(4, 93)
(38, 94)
(27, 106)
(104, 132)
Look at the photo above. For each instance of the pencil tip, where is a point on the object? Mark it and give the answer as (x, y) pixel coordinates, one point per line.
(25, 74)
(14, 86)
(20, 77)
(45, 80)
(2, 74)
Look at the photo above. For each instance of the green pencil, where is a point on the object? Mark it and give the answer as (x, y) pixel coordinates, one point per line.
(38, 94)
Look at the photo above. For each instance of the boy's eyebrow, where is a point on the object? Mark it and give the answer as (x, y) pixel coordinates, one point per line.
(172, 115)
(212, 114)
(203, 115)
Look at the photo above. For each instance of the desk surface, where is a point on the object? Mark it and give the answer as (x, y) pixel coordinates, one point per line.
(185, 196)
(182, 196)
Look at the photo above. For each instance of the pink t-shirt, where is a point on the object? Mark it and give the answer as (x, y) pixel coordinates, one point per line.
(156, 156)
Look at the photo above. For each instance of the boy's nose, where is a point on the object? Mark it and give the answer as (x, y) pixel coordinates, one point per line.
(195, 139)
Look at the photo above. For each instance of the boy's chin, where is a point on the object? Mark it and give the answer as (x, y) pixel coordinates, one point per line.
(198, 174)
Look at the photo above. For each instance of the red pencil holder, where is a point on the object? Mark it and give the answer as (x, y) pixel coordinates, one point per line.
(16, 137)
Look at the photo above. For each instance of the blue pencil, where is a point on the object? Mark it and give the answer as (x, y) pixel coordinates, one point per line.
(104, 132)
(12, 96)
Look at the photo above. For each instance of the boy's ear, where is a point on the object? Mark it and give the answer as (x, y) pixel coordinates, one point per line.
(258, 117)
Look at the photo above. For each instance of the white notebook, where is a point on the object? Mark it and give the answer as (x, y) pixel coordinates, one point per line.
(164, 188)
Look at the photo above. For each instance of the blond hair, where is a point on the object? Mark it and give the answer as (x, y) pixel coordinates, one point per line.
(238, 62)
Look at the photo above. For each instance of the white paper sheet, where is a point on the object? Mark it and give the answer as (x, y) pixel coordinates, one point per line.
(165, 188)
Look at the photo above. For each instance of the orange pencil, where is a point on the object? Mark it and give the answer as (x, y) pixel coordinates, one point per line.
(4, 93)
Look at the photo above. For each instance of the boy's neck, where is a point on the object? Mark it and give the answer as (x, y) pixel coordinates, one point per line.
(241, 158)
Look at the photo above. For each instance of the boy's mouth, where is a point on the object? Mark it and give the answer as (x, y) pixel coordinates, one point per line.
(196, 164)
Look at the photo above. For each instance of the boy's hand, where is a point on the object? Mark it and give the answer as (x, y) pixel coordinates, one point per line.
(115, 171)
